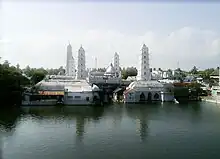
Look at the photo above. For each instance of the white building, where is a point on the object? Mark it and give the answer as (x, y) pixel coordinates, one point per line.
(117, 64)
(70, 63)
(145, 88)
(54, 88)
(81, 66)
(142, 91)
(144, 71)
(109, 76)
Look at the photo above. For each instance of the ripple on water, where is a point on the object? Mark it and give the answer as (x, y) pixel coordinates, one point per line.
(140, 131)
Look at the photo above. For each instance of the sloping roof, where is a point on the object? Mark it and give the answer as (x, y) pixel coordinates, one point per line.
(52, 85)
(117, 90)
(144, 84)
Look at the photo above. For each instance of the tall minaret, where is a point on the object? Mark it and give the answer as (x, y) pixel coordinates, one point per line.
(144, 72)
(116, 64)
(70, 63)
(81, 68)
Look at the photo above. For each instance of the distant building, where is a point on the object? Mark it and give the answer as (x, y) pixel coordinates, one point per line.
(110, 76)
(117, 64)
(70, 62)
(81, 66)
(144, 71)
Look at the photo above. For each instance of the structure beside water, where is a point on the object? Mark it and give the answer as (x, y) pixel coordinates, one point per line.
(75, 88)
(62, 90)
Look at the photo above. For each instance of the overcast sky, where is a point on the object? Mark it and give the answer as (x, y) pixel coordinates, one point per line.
(37, 33)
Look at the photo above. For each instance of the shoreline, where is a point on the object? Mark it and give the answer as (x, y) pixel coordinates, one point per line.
(211, 100)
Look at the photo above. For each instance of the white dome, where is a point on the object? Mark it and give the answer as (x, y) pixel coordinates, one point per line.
(110, 70)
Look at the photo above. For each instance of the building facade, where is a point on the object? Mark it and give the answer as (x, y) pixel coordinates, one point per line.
(144, 70)
(70, 63)
(81, 66)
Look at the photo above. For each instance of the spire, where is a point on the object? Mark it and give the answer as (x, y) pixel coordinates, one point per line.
(81, 48)
(69, 45)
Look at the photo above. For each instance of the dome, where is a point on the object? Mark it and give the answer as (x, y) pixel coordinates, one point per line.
(110, 70)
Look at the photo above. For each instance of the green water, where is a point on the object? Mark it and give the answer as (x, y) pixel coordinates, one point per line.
(190, 131)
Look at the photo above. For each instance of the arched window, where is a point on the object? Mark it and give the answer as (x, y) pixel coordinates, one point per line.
(156, 96)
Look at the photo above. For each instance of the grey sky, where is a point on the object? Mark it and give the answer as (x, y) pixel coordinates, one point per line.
(37, 34)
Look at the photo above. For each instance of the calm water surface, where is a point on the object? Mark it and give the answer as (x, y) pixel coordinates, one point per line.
(190, 131)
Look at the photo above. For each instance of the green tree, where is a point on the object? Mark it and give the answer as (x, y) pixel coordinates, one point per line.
(194, 70)
(131, 71)
(11, 84)
(37, 76)
(124, 74)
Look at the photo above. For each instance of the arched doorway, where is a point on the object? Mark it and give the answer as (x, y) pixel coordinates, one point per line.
(149, 97)
(142, 97)
(95, 98)
(156, 96)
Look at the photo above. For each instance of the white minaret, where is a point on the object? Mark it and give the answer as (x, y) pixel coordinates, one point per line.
(70, 63)
(81, 67)
(116, 64)
(144, 71)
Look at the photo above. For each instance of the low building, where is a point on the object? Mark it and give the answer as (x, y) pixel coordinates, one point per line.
(78, 93)
(142, 91)
(61, 89)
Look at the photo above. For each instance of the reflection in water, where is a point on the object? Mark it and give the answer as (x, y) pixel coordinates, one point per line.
(80, 114)
(142, 129)
(8, 118)
(80, 126)
(111, 132)
(1, 147)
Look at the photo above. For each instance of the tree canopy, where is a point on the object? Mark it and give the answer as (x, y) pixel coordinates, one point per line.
(11, 84)
(130, 71)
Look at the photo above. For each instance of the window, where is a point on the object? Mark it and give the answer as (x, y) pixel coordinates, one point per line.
(69, 97)
(145, 52)
(87, 98)
(144, 67)
(144, 57)
(144, 73)
(144, 61)
(77, 97)
(156, 96)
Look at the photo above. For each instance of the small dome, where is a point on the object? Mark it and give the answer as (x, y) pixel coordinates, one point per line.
(110, 70)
